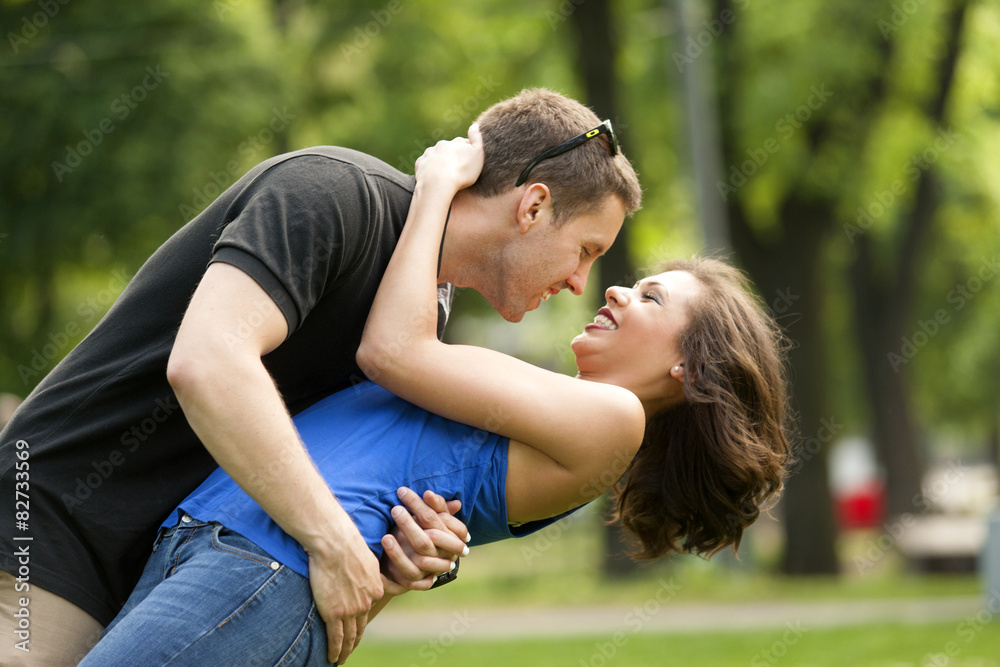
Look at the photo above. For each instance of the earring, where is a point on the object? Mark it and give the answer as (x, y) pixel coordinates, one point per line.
(677, 369)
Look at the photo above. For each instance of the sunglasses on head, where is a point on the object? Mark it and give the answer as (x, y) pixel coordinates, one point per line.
(604, 128)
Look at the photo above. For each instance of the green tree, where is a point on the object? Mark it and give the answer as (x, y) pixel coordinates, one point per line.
(883, 280)
(799, 143)
(111, 136)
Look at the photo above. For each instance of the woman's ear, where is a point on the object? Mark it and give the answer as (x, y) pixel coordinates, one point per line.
(677, 372)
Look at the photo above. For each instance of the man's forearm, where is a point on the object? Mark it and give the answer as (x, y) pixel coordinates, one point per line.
(232, 404)
(236, 411)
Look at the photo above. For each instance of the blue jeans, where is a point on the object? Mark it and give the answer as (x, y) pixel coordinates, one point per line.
(209, 596)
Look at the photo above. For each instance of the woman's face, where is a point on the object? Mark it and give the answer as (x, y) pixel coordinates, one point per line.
(633, 340)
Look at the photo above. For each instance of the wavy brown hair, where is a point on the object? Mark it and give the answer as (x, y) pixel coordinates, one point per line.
(707, 466)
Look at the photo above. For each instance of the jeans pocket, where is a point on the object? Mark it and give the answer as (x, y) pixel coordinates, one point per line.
(231, 542)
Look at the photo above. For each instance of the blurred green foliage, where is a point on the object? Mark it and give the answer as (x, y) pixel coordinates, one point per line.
(119, 121)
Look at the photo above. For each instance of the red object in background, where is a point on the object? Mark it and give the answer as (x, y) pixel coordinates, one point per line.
(862, 507)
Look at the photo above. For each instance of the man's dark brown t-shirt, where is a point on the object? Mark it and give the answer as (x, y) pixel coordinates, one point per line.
(109, 451)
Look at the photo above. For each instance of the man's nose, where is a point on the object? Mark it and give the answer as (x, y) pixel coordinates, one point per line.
(578, 281)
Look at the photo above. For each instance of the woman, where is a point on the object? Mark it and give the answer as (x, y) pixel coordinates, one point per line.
(681, 375)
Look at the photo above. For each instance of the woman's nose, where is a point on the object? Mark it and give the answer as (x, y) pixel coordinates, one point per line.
(616, 295)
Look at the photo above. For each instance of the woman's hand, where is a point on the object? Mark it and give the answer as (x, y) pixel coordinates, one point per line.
(452, 165)
(423, 544)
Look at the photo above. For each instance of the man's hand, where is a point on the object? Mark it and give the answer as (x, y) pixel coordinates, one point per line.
(345, 583)
(420, 549)
(232, 404)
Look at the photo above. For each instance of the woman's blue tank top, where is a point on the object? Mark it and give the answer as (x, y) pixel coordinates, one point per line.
(367, 443)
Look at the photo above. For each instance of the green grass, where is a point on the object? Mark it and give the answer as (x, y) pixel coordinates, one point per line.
(560, 566)
(969, 645)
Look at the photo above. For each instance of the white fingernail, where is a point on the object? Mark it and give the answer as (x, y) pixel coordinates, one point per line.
(465, 551)
(468, 537)
(434, 580)
(451, 566)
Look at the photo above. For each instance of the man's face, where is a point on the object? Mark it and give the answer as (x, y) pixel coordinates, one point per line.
(545, 259)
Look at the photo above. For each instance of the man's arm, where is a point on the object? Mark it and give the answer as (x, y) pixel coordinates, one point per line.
(233, 406)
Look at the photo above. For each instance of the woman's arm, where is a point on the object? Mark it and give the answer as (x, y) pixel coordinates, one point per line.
(579, 425)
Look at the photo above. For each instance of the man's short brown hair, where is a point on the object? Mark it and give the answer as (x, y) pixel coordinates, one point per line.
(518, 129)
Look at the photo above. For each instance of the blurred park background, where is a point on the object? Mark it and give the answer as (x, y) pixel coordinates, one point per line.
(838, 151)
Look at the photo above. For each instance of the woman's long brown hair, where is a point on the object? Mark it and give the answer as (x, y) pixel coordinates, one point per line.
(706, 467)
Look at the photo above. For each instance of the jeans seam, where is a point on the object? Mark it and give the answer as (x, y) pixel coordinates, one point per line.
(182, 652)
(177, 551)
(310, 619)
(161, 535)
(241, 553)
(253, 597)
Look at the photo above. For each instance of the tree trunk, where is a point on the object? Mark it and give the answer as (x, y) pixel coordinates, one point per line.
(883, 308)
(993, 445)
(880, 314)
(787, 275)
(702, 129)
(596, 51)
(785, 267)
(810, 533)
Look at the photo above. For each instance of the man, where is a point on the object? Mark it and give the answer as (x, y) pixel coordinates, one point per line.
(252, 312)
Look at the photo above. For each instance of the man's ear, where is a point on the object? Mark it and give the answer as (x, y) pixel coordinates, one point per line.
(535, 204)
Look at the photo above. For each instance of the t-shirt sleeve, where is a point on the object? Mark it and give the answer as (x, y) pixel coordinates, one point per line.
(297, 228)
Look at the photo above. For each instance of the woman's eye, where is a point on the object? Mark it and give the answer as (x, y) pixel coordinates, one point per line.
(651, 295)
